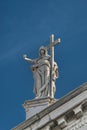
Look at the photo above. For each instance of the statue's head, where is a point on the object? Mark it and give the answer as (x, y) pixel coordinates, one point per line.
(42, 51)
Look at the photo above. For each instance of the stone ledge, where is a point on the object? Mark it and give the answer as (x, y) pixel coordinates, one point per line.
(38, 101)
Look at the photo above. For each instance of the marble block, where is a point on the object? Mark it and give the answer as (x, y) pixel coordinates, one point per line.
(34, 106)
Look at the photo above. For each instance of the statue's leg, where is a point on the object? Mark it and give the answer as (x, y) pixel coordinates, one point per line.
(47, 80)
(37, 82)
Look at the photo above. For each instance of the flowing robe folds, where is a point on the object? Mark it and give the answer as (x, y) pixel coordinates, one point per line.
(41, 72)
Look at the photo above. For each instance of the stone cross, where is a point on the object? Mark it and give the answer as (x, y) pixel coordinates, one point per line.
(51, 47)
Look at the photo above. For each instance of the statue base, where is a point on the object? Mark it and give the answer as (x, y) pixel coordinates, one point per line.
(34, 106)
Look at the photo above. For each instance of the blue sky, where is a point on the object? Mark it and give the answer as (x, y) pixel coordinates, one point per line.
(25, 25)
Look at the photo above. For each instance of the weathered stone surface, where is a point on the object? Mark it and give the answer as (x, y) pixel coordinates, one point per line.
(62, 122)
(78, 111)
(34, 106)
(56, 115)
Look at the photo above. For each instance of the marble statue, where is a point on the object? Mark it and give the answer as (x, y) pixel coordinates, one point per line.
(45, 73)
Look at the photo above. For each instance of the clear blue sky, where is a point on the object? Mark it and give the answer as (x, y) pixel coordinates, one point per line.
(25, 25)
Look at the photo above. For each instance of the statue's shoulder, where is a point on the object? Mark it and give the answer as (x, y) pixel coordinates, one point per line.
(47, 57)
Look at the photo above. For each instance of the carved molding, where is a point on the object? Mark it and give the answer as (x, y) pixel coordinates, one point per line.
(76, 125)
(46, 128)
(78, 111)
(62, 122)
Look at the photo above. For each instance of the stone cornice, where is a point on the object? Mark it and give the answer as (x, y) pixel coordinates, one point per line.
(63, 100)
(52, 107)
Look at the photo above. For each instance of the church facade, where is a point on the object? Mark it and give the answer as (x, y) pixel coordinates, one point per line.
(67, 113)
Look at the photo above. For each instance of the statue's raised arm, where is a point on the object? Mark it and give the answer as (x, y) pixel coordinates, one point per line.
(28, 59)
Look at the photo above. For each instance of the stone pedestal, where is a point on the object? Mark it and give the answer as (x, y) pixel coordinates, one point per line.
(34, 106)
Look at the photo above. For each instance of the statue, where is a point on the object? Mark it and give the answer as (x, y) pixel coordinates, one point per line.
(45, 72)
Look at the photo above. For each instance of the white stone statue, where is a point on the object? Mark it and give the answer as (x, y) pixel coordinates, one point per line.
(45, 73)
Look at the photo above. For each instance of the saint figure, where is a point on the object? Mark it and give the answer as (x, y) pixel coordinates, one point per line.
(41, 69)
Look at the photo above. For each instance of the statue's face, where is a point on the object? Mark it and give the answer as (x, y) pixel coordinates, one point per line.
(42, 52)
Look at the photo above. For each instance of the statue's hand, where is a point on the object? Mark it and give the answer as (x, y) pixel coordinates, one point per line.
(24, 56)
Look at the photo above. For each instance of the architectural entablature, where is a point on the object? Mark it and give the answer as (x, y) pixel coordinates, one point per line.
(60, 114)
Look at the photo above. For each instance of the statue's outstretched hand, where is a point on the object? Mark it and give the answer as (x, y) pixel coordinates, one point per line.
(28, 59)
(24, 56)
